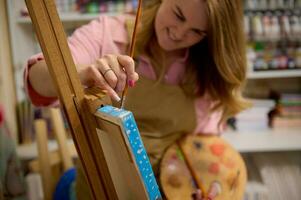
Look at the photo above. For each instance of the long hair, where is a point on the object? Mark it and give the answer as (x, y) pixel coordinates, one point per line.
(217, 64)
(146, 38)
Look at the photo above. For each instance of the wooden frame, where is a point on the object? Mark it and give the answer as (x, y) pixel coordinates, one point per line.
(54, 45)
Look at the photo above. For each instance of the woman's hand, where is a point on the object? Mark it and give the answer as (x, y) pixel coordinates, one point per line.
(112, 73)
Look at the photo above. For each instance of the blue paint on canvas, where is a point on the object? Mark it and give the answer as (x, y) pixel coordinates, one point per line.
(138, 149)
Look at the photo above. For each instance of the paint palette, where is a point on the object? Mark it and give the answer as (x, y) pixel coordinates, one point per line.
(125, 154)
(175, 177)
(206, 161)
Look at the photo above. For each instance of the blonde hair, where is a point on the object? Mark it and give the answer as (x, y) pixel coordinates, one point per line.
(146, 38)
(217, 64)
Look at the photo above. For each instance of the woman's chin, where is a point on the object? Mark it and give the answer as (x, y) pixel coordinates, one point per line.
(167, 47)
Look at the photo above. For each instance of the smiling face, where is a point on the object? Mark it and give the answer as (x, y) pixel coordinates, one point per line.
(180, 24)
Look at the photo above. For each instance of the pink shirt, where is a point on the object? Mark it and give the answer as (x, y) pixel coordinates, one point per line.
(108, 35)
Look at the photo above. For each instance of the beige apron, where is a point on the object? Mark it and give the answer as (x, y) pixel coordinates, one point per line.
(163, 114)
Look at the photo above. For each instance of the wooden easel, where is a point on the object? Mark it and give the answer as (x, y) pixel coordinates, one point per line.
(51, 165)
(80, 107)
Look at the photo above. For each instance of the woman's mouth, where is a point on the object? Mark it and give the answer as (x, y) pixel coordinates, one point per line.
(171, 36)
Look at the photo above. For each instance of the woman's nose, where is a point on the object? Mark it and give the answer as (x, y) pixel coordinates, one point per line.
(179, 33)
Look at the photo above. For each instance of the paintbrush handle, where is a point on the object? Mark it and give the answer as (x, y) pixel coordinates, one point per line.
(132, 49)
(192, 171)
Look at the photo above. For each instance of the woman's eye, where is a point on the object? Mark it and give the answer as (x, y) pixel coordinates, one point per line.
(196, 31)
(200, 33)
(179, 16)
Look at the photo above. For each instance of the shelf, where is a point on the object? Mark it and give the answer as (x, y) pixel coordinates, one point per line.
(274, 74)
(265, 141)
(30, 151)
(78, 17)
(71, 17)
(291, 9)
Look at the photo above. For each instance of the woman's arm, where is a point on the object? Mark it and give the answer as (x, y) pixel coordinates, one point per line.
(85, 45)
(207, 122)
(91, 47)
(121, 66)
(40, 79)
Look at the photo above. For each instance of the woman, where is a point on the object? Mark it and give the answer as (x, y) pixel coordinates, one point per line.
(190, 57)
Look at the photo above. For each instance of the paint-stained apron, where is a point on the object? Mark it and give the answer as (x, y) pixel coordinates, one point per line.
(163, 114)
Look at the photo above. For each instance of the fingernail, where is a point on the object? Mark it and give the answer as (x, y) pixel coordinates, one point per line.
(116, 97)
(131, 83)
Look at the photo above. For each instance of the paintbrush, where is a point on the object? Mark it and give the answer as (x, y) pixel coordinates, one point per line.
(132, 49)
(193, 174)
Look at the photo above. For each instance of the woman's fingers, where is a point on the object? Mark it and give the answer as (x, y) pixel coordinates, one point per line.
(107, 72)
(129, 67)
(119, 72)
(100, 81)
(112, 73)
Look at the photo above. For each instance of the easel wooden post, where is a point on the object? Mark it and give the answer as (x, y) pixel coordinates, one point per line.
(54, 45)
(61, 137)
(51, 165)
(116, 165)
(44, 158)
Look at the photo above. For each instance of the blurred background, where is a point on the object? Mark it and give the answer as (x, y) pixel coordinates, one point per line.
(268, 135)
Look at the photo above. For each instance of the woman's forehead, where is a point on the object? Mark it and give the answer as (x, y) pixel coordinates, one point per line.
(195, 11)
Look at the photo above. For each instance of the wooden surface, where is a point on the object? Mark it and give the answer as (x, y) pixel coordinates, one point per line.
(125, 175)
(95, 98)
(54, 159)
(61, 137)
(54, 45)
(44, 159)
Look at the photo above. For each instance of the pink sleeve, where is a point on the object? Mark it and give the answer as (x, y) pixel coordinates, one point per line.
(85, 43)
(207, 123)
(106, 35)
(82, 48)
(102, 36)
